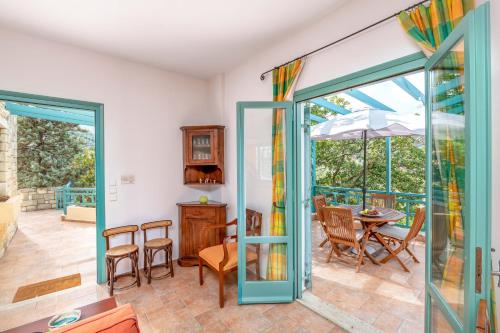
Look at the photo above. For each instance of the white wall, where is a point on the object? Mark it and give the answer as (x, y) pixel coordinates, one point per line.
(495, 110)
(143, 110)
(384, 43)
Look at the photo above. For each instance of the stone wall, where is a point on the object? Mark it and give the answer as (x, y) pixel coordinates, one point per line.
(8, 152)
(38, 199)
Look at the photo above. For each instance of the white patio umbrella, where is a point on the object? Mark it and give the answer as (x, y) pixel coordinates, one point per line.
(369, 124)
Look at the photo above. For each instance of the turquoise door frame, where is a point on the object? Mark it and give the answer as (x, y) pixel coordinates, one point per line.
(404, 65)
(98, 110)
(474, 32)
(265, 291)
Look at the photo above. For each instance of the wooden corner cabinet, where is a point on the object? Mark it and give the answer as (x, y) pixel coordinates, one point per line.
(193, 216)
(203, 154)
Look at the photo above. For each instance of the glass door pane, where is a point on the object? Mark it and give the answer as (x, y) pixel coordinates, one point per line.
(448, 206)
(458, 177)
(264, 206)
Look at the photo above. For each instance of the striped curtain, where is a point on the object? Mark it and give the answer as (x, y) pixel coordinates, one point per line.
(429, 26)
(284, 79)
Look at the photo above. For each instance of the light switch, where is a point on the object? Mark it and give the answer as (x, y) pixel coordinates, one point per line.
(113, 197)
(127, 179)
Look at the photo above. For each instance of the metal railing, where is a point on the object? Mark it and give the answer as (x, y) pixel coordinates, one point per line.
(405, 202)
(67, 196)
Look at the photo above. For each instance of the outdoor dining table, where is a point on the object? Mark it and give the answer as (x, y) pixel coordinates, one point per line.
(370, 223)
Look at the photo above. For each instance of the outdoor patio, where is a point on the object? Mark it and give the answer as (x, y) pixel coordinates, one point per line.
(384, 296)
(45, 248)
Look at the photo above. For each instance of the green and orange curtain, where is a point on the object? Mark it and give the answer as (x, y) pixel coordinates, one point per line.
(430, 25)
(284, 79)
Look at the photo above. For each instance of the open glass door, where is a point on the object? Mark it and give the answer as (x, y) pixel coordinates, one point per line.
(458, 177)
(265, 212)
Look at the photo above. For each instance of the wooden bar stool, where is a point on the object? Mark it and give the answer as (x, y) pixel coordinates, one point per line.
(153, 246)
(115, 254)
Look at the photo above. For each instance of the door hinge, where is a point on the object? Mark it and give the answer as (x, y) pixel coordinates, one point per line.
(479, 269)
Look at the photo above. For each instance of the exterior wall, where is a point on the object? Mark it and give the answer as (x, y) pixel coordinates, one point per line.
(38, 199)
(8, 152)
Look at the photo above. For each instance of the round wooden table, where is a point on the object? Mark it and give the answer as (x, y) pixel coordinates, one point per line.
(371, 223)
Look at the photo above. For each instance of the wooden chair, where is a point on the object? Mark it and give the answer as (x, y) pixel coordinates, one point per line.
(153, 246)
(339, 225)
(319, 202)
(383, 200)
(254, 228)
(401, 236)
(115, 254)
(221, 258)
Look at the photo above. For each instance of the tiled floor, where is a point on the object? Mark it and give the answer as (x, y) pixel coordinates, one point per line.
(385, 296)
(44, 248)
(168, 305)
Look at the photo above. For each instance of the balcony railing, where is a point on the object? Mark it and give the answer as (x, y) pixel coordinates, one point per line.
(405, 202)
(67, 196)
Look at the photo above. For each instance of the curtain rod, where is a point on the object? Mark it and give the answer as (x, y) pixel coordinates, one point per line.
(263, 75)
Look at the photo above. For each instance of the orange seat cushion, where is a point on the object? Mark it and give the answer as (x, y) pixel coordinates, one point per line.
(121, 319)
(215, 254)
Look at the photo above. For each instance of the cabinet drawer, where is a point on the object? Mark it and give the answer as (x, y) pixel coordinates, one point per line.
(199, 213)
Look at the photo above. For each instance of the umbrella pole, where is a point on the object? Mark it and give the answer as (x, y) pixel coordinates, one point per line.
(364, 168)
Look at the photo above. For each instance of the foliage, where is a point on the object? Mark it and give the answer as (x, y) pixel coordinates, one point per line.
(84, 168)
(46, 151)
(340, 163)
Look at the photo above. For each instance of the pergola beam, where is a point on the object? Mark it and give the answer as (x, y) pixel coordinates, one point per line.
(330, 106)
(370, 101)
(408, 87)
(67, 115)
(318, 119)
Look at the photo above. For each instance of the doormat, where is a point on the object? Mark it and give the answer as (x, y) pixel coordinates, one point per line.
(47, 287)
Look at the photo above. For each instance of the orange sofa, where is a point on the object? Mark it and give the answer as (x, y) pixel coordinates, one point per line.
(118, 320)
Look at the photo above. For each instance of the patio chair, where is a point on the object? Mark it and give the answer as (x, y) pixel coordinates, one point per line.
(339, 225)
(222, 258)
(383, 200)
(403, 237)
(319, 202)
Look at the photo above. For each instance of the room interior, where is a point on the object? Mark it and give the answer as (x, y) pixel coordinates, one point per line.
(168, 76)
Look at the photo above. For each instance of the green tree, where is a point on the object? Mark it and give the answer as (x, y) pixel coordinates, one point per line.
(340, 163)
(84, 168)
(46, 150)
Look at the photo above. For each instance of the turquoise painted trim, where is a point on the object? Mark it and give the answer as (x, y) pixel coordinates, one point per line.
(265, 291)
(317, 119)
(49, 114)
(388, 164)
(386, 70)
(368, 100)
(474, 30)
(409, 87)
(483, 91)
(98, 110)
(330, 106)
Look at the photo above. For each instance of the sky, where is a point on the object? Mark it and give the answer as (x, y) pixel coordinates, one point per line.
(389, 94)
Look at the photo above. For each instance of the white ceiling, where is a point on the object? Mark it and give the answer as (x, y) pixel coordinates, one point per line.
(195, 37)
